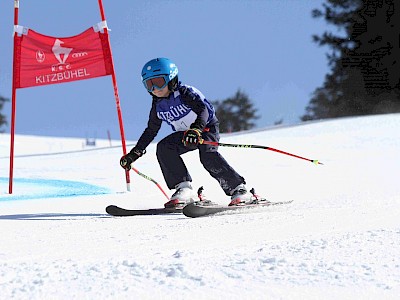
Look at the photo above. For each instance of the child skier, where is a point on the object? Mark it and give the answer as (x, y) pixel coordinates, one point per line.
(193, 119)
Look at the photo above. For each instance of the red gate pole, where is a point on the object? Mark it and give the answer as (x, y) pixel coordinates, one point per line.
(117, 101)
(13, 103)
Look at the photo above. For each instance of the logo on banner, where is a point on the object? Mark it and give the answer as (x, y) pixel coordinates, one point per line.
(40, 56)
(61, 53)
(63, 70)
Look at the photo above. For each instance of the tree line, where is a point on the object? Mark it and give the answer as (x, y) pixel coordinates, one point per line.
(3, 120)
(364, 57)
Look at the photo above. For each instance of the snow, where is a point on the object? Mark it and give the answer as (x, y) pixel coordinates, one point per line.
(339, 239)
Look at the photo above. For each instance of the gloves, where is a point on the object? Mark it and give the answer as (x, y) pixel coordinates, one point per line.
(129, 158)
(192, 138)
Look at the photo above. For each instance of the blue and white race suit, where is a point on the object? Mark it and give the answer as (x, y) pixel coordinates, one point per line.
(181, 109)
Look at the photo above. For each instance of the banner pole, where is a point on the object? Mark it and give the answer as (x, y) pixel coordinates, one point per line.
(117, 101)
(13, 101)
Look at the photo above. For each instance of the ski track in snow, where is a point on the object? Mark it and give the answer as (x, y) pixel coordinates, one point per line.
(339, 239)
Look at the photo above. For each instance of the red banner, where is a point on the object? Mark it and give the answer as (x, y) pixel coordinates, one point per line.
(42, 60)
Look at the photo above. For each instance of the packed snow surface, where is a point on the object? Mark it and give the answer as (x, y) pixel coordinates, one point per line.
(339, 239)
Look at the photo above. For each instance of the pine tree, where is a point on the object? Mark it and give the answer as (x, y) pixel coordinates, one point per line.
(3, 120)
(364, 62)
(235, 113)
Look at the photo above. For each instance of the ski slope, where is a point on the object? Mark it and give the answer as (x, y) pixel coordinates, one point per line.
(339, 239)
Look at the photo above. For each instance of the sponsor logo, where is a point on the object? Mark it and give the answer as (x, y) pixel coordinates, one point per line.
(61, 53)
(173, 72)
(174, 113)
(79, 54)
(62, 71)
(40, 56)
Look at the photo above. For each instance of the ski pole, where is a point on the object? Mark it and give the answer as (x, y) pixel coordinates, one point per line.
(151, 179)
(314, 161)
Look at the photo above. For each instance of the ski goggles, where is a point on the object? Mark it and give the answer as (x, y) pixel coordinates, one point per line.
(159, 83)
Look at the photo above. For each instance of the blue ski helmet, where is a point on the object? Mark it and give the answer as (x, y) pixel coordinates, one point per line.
(160, 67)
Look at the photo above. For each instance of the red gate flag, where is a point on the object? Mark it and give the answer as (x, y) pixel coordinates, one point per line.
(42, 60)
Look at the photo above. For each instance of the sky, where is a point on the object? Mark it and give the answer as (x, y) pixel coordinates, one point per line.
(264, 48)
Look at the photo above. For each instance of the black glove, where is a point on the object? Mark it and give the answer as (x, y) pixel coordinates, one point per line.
(192, 138)
(129, 158)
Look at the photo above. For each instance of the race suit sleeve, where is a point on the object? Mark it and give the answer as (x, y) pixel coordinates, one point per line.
(153, 126)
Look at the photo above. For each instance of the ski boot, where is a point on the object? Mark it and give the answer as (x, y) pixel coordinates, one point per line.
(183, 195)
(240, 196)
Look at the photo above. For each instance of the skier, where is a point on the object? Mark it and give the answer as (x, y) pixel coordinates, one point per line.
(192, 118)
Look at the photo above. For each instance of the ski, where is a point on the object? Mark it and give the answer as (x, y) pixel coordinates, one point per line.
(206, 208)
(122, 212)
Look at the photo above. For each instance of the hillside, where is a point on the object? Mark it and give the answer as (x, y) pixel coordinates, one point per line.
(338, 239)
